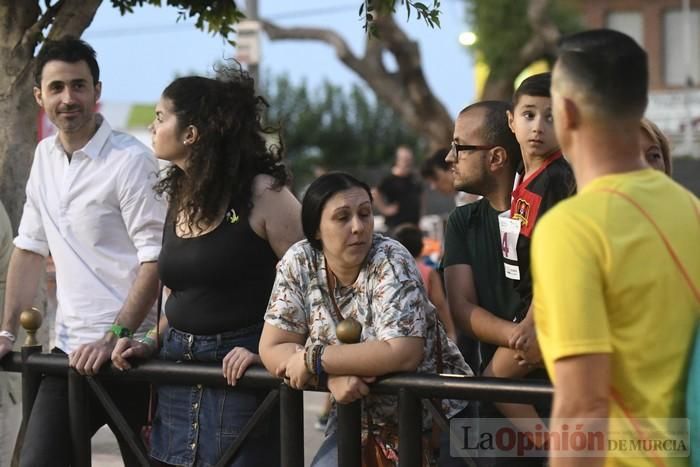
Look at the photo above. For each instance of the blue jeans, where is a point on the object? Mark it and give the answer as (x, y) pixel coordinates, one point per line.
(327, 454)
(194, 425)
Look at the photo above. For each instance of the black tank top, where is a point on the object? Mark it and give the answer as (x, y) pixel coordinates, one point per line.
(220, 281)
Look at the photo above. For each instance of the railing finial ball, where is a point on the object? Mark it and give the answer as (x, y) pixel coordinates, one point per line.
(31, 319)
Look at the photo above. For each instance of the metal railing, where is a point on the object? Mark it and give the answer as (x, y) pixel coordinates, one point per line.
(411, 390)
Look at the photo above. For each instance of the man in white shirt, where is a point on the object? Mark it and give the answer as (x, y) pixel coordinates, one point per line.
(90, 203)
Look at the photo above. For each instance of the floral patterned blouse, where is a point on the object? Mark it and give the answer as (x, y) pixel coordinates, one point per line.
(387, 298)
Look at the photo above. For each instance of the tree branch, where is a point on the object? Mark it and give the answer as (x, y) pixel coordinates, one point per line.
(402, 47)
(544, 34)
(332, 38)
(33, 34)
(406, 91)
(373, 53)
(542, 43)
(73, 18)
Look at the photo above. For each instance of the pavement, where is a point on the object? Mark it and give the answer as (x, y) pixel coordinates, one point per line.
(105, 452)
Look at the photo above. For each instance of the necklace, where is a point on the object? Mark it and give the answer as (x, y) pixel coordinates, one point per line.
(348, 330)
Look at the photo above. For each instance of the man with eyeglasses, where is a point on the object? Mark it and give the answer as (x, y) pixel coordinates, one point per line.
(483, 160)
(484, 157)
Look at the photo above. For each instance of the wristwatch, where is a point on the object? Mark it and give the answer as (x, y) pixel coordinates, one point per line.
(8, 335)
(120, 331)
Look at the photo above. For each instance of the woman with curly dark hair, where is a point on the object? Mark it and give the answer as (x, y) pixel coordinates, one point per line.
(230, 219)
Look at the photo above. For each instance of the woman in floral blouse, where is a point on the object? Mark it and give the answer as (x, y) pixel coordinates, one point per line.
(344, 272)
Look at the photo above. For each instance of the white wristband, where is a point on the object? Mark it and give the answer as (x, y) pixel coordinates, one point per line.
(8, 335)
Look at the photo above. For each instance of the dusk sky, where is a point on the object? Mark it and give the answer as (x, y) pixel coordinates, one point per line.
(139, 54)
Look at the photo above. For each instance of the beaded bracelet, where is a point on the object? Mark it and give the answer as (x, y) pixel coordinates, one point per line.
(308, 354)
(312, 358)
(318, 366)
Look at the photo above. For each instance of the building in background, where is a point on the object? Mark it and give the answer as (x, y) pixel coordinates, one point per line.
(669, 30)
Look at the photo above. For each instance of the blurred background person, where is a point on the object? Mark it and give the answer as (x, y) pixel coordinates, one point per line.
(411, 237)
(437, 172)
(399, 195)
(656, 149)
(9, 407)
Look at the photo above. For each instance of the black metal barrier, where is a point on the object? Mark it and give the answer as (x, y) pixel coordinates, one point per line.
(411, 389)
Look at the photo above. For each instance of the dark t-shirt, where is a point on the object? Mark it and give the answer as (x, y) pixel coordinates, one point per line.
(472, 237)
(221, 281)
(536, 195)
(406, 191)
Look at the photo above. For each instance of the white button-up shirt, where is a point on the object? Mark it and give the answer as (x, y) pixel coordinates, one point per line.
(100, 218)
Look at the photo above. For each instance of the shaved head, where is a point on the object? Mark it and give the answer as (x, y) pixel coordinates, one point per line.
(605, 72)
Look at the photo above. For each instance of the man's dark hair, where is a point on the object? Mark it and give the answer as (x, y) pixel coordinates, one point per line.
(609, 67)
(536, 85)
(316, 197)
(69, 49)
(411, 237)
(495, 130)
(436, 161)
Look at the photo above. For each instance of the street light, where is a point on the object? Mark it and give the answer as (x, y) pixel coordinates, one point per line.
(467, 38)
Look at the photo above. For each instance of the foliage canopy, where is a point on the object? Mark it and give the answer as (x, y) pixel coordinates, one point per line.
(333, 128)
(502, 28)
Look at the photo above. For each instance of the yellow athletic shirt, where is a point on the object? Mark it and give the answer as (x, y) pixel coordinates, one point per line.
(605, 283)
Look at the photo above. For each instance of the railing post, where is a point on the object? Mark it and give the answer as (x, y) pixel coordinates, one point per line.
(410, 429)
(78, 416)
(349, 434)
(30, 320)
(291, 427)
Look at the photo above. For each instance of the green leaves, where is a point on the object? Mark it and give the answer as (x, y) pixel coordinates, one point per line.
(213, 16)
(334, 127)
(502, 28)
(220, 16)
(429, 14)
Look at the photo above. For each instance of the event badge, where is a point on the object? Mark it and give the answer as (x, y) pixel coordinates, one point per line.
(510, 231)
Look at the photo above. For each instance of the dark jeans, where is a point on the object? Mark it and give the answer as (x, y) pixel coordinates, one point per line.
(489, 410)
(47, 440)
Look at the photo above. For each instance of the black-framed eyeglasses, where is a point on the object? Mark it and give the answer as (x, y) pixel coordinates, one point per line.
(468, 147)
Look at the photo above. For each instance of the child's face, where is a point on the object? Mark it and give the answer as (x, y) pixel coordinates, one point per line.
(533, 125)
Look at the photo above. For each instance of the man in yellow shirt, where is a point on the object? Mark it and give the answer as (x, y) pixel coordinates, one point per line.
(615, 314)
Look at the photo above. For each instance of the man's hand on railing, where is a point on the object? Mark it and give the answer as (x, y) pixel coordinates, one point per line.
(89, 358)
(127, 348)
(236, 362)
(346, 389)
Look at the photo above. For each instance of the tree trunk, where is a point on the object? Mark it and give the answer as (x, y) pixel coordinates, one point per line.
(499, 88)
(542, 44)
(406, 91)
(20, 32)
(17, 107)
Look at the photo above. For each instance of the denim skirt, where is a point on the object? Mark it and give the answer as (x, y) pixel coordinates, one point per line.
(195, 425)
